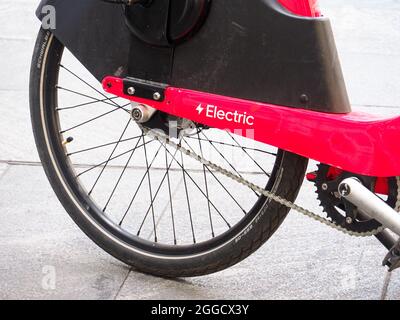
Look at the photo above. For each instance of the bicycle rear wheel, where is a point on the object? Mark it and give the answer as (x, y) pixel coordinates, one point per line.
(141, 201)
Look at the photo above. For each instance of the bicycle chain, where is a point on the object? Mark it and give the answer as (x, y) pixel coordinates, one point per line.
(166, 140)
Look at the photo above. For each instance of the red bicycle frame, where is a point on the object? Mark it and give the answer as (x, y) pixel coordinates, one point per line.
(355, 142)
(307, 8)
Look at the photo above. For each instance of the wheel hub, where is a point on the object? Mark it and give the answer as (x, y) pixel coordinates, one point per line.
(153, 119)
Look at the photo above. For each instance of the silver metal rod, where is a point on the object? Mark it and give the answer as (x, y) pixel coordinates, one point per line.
(387, 238)
(367, 202)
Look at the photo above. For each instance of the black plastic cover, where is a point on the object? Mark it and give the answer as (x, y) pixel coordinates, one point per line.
(252, 49)
(166, 23)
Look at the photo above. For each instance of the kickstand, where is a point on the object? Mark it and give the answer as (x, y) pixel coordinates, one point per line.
(392, 259)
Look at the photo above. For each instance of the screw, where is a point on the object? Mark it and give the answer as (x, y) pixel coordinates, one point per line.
(131, 91)
(349, 220)
(345, 190)
(137, 114)
(324, 186)
(304, 98)
(156, 96)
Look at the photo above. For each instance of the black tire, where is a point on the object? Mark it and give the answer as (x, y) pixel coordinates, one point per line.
(248, 236)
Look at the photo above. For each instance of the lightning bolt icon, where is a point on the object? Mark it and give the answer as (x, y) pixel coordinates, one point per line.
(200, 109)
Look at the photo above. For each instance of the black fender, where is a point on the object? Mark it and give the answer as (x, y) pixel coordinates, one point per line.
(253, 49)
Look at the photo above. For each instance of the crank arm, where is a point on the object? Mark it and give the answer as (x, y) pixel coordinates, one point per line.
(366, 201)
(371, 205)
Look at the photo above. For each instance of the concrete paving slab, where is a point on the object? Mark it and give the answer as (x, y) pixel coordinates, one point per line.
(3, 168)
(368, 45)
(393, 284)
(16, 136)
(17, 19)
(16, 55)
(43, 254)
(303, 260)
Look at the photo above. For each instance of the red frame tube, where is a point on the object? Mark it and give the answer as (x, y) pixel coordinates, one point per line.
(307, 8)
(355, 142)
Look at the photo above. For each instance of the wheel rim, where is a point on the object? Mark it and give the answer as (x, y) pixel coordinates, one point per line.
(184, 234)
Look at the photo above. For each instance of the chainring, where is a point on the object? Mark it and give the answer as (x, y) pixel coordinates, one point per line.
(341, 211)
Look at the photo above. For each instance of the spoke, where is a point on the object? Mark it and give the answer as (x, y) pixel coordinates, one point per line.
(206, 185)
(90, 120)
(85, 104)
(245, 151)
(219, 181)
(174, 192)
(88, 84)
(95, 99)
(156, 194)
(226, 160)
(151, 195)
(140, 184)
(170, 198)
(235, 146)
(201, 191)
(113, 158)
(102, 145)
(187, 197)
(109, 158)
(222, 185)
(121, 175)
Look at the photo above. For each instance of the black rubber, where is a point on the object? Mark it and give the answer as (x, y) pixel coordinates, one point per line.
(285, 181)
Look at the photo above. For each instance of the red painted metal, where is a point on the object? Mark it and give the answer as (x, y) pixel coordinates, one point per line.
(311, 176)
(381, 184)
(355, 142)
(307, 8)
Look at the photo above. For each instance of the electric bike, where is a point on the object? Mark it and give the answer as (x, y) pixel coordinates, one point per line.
(177, 134)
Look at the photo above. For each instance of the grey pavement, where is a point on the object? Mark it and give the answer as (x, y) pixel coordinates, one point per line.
(303, 260)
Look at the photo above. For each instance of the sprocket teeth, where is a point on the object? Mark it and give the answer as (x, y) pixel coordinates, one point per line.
(329, 209)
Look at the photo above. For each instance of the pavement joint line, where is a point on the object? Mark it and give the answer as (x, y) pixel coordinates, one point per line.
(122, 284)
(22, 39)
(386, 285)
(13, 90)
(21, 163)
(4, 172)
(86, 166)
(360, 258)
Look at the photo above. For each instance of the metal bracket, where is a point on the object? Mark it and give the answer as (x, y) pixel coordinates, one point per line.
(144, 89)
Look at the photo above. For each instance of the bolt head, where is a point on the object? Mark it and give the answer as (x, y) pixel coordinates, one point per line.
(344, 190)
(137, 115)
(156, 96)
(349, 220)
(324, 186)
(304, 98)
(131, 91)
